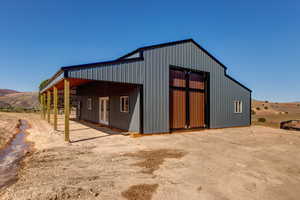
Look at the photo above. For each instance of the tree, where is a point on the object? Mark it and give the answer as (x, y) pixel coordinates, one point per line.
(41, 86)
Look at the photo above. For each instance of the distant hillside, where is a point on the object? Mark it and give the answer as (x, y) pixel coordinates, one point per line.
(24, 100)
(266, 107)
(271, 114)
(7, 91)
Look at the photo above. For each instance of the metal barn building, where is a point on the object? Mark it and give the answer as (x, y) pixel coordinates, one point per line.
(155, 89)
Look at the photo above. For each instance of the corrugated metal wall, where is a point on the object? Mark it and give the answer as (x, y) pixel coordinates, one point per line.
(132, 72)
(153, 73)
(126, 121)
(223, 91)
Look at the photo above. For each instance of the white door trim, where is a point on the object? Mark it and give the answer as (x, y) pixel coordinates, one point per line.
(104, 117)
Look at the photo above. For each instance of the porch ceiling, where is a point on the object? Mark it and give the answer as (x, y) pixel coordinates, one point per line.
(73, 82)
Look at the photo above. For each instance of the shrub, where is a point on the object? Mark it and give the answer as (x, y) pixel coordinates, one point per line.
(258, 108)
(253, 112)
(262, 119)
(286, 112)
(266, 108)
(266, 101)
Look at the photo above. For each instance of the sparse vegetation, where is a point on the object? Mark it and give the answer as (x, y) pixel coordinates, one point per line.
(253, 112)
(19, 102)
(266, 101)
(261, 119)
(18, 110)
(275, 112)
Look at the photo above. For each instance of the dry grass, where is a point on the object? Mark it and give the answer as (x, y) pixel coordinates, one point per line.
(20, 100)
(154, 158)
(273, 120)
(140, 192)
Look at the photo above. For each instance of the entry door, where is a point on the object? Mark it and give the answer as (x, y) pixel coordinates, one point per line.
(104, 110)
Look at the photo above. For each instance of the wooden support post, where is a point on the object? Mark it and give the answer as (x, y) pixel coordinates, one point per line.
(67, 108)
(55, 101)
(44, 105)
(41, 105)
(48, 105)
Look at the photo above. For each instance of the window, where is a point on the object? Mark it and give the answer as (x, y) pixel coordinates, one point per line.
(89, 104)
(124, 104)
(238, 106)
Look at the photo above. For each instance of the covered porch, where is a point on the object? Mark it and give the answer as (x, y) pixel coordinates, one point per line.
(110, 107)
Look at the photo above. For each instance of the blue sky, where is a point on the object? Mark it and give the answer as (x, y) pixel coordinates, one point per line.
(257, 40)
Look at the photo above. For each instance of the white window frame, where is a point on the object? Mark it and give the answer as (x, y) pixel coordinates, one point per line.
(123, 98)
(238, 106)
(89, 103)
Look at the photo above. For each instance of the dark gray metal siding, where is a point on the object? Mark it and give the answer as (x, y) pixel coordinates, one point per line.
(132, 72)
(153, 73)
(222, 89)
(126, 121)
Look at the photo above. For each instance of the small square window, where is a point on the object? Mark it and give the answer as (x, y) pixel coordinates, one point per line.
(238, 106)
(124, 104)
(89, 104)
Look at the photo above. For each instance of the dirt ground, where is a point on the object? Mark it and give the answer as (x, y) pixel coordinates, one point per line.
(8, 127)
(234, 163)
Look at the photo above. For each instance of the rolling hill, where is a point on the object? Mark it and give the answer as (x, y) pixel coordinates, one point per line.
(15, 99)
(4, 92)
(273, 113)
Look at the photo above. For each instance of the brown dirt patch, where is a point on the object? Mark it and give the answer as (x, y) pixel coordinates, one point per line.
(138, 192)
(154, 158)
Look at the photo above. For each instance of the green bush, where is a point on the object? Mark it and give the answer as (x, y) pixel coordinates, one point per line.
(266, 108)
(258, 108)
(262, 120)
